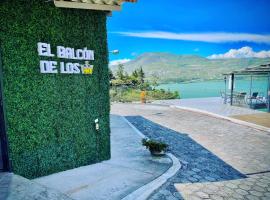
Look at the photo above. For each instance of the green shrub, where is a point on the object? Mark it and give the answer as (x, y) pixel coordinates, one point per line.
(154, 146)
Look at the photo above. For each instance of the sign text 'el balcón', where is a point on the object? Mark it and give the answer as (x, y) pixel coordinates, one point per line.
(53, 67)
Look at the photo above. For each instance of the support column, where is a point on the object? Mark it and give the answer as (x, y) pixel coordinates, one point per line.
(232, 84)
(268, 94)
(225, 91)
(250, 91)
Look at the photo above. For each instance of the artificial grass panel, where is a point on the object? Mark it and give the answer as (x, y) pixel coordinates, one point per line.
(50, 117)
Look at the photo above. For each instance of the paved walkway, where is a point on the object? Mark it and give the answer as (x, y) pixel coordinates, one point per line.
(220, 159)
(130, 167)
(211, 104)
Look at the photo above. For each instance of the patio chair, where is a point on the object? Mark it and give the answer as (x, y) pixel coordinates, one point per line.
(256, 101)
(249, 100)
(240, 98)
(261, 99)
(225, 97)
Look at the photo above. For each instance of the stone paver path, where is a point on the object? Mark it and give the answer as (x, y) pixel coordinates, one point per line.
(214, 153)
(254, 187)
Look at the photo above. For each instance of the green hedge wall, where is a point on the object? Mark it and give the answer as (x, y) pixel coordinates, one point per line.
(50, 117)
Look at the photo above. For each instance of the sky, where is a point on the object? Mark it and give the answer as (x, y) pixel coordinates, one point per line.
(208, 28)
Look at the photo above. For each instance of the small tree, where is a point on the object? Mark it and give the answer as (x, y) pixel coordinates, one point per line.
(120, 72)
(135, 74)
(111, 76)
(134, 78)
(155, 79)
(126, 77)
(141, 75)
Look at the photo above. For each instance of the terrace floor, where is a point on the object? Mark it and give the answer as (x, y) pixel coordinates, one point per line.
(212, 104)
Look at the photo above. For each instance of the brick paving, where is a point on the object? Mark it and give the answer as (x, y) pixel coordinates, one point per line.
(253, 187)
(220, 159)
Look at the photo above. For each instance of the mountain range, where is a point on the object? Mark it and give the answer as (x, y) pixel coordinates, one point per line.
(178, 68)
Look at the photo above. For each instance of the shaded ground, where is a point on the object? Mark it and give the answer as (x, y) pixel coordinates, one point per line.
(211, 150)
(130, 167)
(13, 187)
(262, 119)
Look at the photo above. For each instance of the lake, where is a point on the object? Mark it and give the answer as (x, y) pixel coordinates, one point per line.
(213, 88)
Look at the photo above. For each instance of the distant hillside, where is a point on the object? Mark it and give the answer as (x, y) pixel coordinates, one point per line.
(175, 68)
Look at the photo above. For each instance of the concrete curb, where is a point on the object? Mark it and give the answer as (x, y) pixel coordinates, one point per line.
(145, 191)
(237, 121)
(134, 128)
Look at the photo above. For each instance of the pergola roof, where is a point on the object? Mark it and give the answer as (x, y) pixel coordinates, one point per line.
(106, 5)
(260, 70)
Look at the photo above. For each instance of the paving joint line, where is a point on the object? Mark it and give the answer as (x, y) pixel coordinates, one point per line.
(255, 173)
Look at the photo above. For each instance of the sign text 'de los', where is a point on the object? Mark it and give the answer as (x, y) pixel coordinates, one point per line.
(53, 67)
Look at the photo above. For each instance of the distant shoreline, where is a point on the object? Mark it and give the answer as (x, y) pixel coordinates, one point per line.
(190, 81)
(205, 80)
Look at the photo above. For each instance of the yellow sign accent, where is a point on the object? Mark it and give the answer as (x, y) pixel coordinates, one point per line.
(87, 70)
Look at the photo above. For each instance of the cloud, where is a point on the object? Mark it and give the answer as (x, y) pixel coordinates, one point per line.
(244, 52)
(202, 37)
(120, 61)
